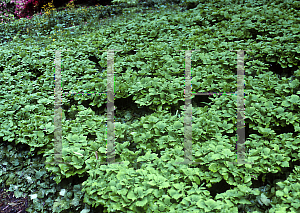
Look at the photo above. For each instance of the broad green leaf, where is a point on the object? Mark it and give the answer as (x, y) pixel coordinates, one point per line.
(213, 167)
(285, 103)
(64, 167)
(90, 124)
(250, 110)
(201, 204)
(247, 179)
(73, 138)
(266, 151)
(65, 151)
(142, 202)
(269, 105)
(161, 125)
(139, 191)
(131, 195)
(244, 201)
(285, 164)
(294, 83)
(265, 200)
(243, 188)
(177, 125)
(149, 156)
(40, 134)
(216, 156)
(211, 203)
(294, 99)
(279, 193)
(49, 127)
(227, 152)
(197, 180)
(164, 185)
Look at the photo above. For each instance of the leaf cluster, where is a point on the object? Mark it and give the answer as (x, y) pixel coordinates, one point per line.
(149, 136)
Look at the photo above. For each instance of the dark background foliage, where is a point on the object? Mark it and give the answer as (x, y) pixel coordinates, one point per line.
(35, 6)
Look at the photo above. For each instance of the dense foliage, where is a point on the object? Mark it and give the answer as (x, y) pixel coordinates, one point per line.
(149, 107)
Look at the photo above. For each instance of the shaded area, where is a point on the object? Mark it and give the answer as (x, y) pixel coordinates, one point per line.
(10, 204)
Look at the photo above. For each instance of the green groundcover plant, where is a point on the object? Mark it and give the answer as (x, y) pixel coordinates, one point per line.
(149, 128)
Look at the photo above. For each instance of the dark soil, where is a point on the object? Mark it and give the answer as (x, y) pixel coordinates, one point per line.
(10, 204)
